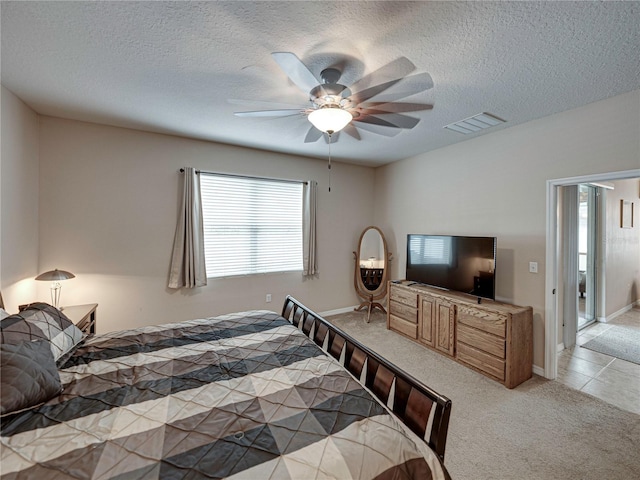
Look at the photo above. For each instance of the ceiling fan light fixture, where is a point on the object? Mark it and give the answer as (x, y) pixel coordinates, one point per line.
(330, 118)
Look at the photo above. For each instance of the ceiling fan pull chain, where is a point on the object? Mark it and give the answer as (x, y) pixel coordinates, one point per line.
(329, 134)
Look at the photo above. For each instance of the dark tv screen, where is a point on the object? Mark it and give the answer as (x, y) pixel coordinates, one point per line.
(463, 264)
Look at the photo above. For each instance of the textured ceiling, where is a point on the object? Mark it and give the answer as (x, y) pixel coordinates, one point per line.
(171, 67)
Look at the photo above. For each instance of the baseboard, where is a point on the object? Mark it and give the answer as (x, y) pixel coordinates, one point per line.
(337, 311)
(538, 370)
(620, 312)
(560, 347)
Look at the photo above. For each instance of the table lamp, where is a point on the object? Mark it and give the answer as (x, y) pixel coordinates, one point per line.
(55, 276)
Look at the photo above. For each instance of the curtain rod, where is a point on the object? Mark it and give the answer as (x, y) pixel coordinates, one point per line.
(283, 180)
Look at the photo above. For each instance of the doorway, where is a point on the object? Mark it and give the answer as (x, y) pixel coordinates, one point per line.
(555, 296)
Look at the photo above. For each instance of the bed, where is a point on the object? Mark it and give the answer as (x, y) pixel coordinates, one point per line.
(250, 395)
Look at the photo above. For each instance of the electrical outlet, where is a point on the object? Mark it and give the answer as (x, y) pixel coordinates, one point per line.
(533, 267)
(268, 299)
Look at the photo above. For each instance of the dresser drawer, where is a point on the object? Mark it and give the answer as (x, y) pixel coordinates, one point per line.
(403, 311)
(481, 360)
(481, 340)
(402, 326)
(403, 296)
(487, 321)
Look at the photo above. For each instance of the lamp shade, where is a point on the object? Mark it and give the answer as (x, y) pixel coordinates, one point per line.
(330, 119)
(55, 275)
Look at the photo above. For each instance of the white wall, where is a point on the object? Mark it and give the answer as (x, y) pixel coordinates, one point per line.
(108, 204)
(622, 258)
(18, 201)
(496, 185)
(108, 209)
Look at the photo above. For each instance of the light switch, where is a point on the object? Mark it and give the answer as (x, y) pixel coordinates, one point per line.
(533, 267)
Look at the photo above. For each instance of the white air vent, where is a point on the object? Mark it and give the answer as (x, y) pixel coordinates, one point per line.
(473, 124)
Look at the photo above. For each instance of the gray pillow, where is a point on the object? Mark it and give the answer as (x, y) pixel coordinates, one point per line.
(39, 321)
(28, 375)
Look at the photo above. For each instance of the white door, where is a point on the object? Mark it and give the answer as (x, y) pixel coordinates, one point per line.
(587, 254)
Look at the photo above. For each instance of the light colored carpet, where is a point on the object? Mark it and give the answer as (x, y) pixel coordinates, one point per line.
(618, 341)
(541, 429)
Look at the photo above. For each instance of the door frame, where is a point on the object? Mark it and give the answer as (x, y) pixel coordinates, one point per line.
(552, 280)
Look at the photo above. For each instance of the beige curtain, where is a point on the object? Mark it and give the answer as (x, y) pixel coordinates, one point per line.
(187, 263)
(309, 254)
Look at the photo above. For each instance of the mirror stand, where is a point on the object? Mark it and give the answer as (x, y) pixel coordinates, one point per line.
(371, 270)
(369, 302)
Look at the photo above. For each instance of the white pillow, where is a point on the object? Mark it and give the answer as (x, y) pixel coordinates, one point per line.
(3, 313)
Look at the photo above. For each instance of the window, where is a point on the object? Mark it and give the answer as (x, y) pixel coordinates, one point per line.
(251, 225)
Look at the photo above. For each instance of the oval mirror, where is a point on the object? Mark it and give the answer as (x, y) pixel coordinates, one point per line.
(371, 269)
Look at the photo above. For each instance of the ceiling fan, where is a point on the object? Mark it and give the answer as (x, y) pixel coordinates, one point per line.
(335, 107)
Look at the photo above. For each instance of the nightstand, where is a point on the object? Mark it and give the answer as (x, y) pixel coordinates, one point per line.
(84, 316)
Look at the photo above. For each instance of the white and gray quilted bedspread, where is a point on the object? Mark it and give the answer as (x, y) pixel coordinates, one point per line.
(237, 396)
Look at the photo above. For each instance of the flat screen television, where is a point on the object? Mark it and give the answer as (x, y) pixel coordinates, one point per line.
(462, 264)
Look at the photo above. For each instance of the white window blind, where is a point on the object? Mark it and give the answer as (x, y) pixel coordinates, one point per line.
(251, 225)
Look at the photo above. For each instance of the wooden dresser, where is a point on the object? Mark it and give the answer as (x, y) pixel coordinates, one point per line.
(493, 338)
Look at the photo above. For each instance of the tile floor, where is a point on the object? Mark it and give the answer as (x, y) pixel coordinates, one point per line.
(613, 380)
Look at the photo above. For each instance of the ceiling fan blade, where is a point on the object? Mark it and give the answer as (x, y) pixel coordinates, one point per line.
(313, 135)
(262, 103)
(410, 85)
(296, 70)
(407, 86)
(270, 113)
(396, 119)
(393, 107)
(367, 93)
(352, 131)
(398, 68)
(387, 132)
(375, 121)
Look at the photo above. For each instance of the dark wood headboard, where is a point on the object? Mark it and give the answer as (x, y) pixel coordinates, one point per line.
(1, 301)
(412, 400)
